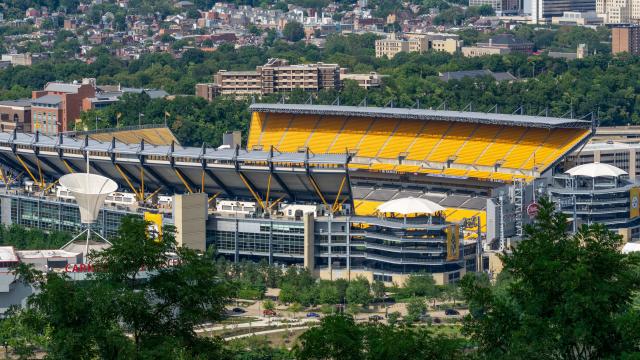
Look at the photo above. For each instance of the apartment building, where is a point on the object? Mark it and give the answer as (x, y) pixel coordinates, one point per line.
(57, 107)
(418, 42)
(277, 75)
(365, 81)
(15, 114)
(625, 38)
(499, 45)
(618, 11)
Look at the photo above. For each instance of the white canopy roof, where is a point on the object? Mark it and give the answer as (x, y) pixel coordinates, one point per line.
(630, 247)
(409, 205)
(596, 169)
(90, 192)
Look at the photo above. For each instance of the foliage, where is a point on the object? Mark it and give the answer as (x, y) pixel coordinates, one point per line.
(293, 31)
(339, 337)
(420, 284)
(416, 307)
(135, 306)
(569, 296)
(22, 238)
(359, 291)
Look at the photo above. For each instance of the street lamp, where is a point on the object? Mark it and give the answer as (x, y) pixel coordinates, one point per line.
(140, 115)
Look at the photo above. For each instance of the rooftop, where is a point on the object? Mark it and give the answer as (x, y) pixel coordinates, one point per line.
(423, 114)
(48, 100)
(16, 103)
(7, 253)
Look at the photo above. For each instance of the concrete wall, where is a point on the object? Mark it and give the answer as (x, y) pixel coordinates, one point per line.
(190, 218)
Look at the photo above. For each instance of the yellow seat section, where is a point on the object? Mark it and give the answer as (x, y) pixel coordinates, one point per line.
(457, 215)
(407, 168)
(402, 138)
(429, 171)
(298, 132)
(359, 166)
(351, 134)
(274, 128)
(383, 167)
(479, 174)
(455, 138)
(501, 145)
(365, 207)
(502, 176)
(455, 172)
(325, 133)
(375, 138)
(154, 136)
(559, 142)
(255, 129)
(525, 148)
(480, 140)
(428, 138)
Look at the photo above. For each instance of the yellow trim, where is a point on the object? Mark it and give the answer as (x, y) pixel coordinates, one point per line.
(317, 189)
(335, 204)
(202, 181)
(40, 172)
(50, 186)
(68, 166)
(246, 183)
(126, 178)
(275, 202)
(266, 201)
(153, 193)
(27, 169)
(213, 197)
(141, 182)
(184, 182)
(11, 181)
(4, 179)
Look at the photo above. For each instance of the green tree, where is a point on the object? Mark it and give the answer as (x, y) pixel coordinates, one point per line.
(293, 31)
(420, 284)
(416, 307)
(378, 289)
(359, 292)
(328, 293)
(570, 296)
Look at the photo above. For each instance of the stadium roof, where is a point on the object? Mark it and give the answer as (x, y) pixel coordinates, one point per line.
(423, 114)
(236, 173)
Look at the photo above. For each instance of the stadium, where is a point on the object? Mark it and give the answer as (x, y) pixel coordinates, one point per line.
(309, 186)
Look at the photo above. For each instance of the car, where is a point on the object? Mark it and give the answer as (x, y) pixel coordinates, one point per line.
(451, 312)
(375, 318)
(268, 313)
(238, 310)
(437, 320)
(313, 315)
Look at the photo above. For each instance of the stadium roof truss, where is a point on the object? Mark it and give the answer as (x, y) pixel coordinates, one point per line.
(265, 176)
(423, 114)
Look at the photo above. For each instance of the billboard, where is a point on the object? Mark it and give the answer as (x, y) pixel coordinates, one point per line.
(154, 228)
(634, 197)
(453, 242)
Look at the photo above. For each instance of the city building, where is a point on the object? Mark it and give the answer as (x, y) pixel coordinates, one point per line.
(581, 52)
(577, 18)
(598, 193)
(56, 108)
(625, 38)
(277, 75)
(618, 11)
(501, 7)
(499, 45)
(18, 59)
(417, 42)
(15, 114)
(544, 10)
(366, 81)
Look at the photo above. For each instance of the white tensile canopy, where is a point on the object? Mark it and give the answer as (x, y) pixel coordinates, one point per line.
(630, 247)
(597, 169)
(409, 206)
(90, 192)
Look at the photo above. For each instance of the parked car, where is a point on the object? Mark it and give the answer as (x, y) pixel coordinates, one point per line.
(238, 310)
(313, 315)
(437, 320)
(268, 313)
(451, 312)
(375, 318)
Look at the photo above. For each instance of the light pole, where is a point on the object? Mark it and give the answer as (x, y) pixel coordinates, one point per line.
(140, 115)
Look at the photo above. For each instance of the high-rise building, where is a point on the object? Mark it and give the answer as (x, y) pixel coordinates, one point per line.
(614, 11)
(500, 6)
(543, 10)
(625, 38)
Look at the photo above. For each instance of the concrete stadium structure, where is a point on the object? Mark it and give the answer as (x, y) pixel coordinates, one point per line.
(306, 188)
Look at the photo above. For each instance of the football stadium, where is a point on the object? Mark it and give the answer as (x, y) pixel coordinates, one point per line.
(342, 190)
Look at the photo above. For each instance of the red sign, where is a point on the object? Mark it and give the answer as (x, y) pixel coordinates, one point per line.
(532, 209)
(78, 268)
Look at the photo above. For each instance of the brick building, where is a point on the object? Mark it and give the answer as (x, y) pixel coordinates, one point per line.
(15, 114)
(57, 107)
(625, 39)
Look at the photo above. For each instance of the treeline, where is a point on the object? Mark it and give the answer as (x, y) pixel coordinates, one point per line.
(22, 238)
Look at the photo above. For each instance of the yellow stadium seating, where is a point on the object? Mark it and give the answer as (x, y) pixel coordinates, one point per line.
(352, 132)
(405, 134)
(154, 136)
(408, 168)
(454, 139)
(358, 166)
(476, 145)
(455, 172)
(525, 148)
(501, 145)
(379, 132)
(382, 167)
(365, 207)
(429, 137)
(275, 126)
(298, 133)
(255, 131)
(325, 134)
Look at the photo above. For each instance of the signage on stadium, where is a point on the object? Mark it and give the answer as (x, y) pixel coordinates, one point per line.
(78, 268)
(532, 209)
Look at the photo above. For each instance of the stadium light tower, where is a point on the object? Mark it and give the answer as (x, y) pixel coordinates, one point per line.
(90, 191)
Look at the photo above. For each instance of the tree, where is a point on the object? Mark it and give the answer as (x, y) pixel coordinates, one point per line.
(268, 305)
(358, 292)
(420, 284)
(293, 31)
(393, 317)
(378, 289)
(328, 293)
(416, 307)
(135, 305)
(570, 296)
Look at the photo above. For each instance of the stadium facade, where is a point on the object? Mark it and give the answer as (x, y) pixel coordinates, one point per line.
(305, 189)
